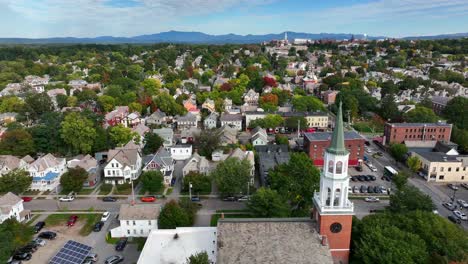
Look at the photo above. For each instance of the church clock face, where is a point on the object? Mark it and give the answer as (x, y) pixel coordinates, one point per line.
(335, 227)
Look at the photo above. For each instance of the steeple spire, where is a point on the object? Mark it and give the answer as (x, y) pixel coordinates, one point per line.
(337, 145)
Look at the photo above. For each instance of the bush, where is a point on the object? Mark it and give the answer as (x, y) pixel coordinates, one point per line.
(106, 188)
(200, 183)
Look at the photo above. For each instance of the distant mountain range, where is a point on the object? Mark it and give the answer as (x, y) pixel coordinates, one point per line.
(199, 37)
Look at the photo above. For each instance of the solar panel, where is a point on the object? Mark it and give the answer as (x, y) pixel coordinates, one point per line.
(71, 253)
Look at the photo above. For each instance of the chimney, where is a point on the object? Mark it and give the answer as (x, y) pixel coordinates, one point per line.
(324, 240)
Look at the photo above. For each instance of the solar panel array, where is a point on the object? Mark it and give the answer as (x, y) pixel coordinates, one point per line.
(71, 253)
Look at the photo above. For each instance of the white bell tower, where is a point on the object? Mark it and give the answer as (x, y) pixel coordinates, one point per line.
(332, 209)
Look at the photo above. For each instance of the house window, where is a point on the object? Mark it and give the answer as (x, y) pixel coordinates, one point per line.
(449, 168)
(441, 169)
(134, 222)
(141, 231)
(134, 231)
(128, 231)
(441, 177)
(128, 222)
(149, 222)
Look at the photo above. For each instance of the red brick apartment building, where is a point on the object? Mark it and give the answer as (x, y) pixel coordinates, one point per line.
(316, 143)
(401, 132)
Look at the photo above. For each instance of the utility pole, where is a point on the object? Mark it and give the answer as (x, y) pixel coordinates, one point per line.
(133, 192)
(349, 117)
(190, 190)
(298, 128)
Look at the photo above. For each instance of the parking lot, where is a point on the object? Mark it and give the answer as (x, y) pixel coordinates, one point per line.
(97, 240)
(367, 178)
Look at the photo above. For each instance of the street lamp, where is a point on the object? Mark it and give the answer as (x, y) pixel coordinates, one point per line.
(133, 192)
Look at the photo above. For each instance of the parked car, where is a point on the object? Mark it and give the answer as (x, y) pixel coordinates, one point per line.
(376, 189)
(120, 246)
(26, 199)
(22, 256)
(370, 189)
(98, 226)
(452, 186)
(361, 178)
(462, 203)
(105, 216)
(148, 199)
(67, 199)
(38, 226)
(72, 220)
(366, 178)
(372, 177)
(244, 199)
(363, 189)
(109, 199)
(368, 150)
(114, 259)
(383, 190)
(371, 167)
(454, 219)
(464, 185)
(26, 249)
(47, 235)
(450, 206)
(372, 199)
(358, 168)
(229, 199)
(39, 242)
(355, 189)
(460, 215)
(353, 178)
(195, 199)
(92, 256)
(367, 143)
(13, 261)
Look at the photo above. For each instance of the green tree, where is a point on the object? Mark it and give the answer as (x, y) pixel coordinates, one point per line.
(268, 203)
(269, 121)
(78, 132)
(168, 105)
(11, 104)
(46, 134)
(232, 176)
(295, 181)
(38, 104)
(413, 163)
(456, 112)
(460, 136)
(14, 235)
(121, 135)
(17, 142)
(200, 183)
(16, 181)
(307, 103)
(398, 151)
(409, 198)
(388, 108)
(152, 143)
(207, 141)
(73, 179)
(106, 103)
(281, 140)
(152, 181)
(420, 115)
(173, 215)
(151, 86)
(199, 258)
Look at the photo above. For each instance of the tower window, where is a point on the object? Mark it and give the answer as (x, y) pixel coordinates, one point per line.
(339, 167)
(330, 166)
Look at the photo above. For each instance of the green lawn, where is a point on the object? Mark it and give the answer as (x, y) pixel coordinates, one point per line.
(31, 192)
(368, 127)
(85, 191)
(111, 240)
(61, 219)
(105, 189)
(123, 189)
(216, 217)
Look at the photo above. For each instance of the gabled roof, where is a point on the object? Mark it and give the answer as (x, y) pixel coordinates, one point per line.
(162, 158)
(141, 129)
(87, 163)
(45, 162)
(126, 157)
(10, 162)
(231, 117)
(139, 212)
(9, 199)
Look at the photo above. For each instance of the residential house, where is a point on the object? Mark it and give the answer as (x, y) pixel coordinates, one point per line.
(136, 220)
(249, 156)
(124, 164)
(36, 83)
(9, 163)
(234, 121)
(187, 136)
(161, 161)
(329, 97)
(269, 156)
(7, 118)
(317, 120)
(90, 165)
(46, 172)
(11, 206)
(227, 104)
(141, 130)
(157, 118)
(181, 152)
(186, 121)
(167, 134)
(12, 89)
(54, 93)
(259, 136)
(211, 121)
(117, 116)
(209, 105)
(228, 136)
(251, 97)
(133, 119)
(198, 164)
(439, 103)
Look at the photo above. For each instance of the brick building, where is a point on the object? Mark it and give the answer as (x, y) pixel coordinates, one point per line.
(401, 132)
(316, 143)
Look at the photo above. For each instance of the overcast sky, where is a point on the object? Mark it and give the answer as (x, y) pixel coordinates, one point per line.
(90, 18)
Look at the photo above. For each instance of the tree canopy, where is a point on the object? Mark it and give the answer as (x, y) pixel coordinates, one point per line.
(16, 181)
(152, 181)
(232, 176)
(73, 179)
(78, 132)
(268, 203)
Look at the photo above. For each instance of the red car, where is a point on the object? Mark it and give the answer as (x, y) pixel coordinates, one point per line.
(26, 199)
(148, 199)
(72, 220)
